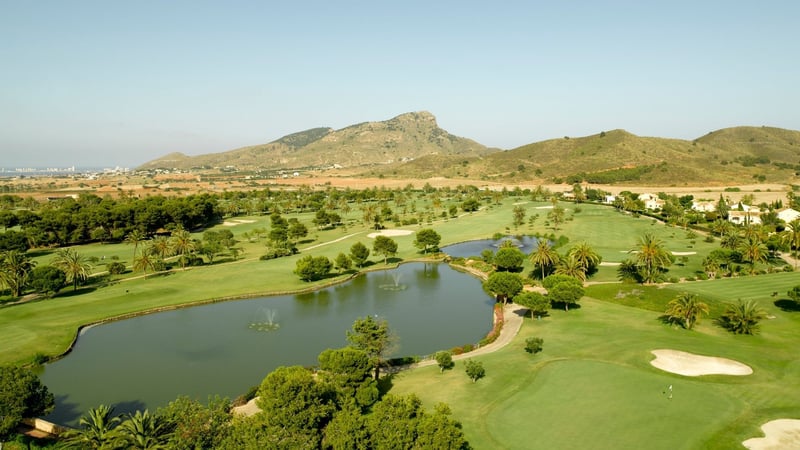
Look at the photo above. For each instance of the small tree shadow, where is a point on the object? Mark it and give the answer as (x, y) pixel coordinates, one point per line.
(385, 383)
(69, 292)
(666, 319)
(562, 306)
(787, 305)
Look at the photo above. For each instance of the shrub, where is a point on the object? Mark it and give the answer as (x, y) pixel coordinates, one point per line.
(533, 345)
(116, 268)
(40, 358)
(277, 252)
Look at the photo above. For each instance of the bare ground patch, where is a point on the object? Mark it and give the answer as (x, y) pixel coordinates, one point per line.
(390, 233)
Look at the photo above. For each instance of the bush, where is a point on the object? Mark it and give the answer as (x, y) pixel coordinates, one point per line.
(279, 252)
(116, 268)
(47, 280)
(533, 345)
(40, 358)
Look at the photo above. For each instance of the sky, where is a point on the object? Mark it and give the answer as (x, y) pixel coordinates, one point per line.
(115, 83)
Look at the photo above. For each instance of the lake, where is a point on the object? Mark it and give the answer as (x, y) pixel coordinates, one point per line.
(225, 348)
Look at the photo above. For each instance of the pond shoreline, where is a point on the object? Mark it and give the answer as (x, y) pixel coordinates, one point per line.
(336, 281)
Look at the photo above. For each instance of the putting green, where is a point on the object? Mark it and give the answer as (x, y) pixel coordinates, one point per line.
(592, 404)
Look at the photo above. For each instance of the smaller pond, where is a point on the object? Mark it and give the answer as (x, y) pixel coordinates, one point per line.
(474, 248)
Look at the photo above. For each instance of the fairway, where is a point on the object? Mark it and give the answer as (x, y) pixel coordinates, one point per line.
(591, 404)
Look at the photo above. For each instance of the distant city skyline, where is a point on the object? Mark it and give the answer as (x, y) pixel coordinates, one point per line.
(95, 83)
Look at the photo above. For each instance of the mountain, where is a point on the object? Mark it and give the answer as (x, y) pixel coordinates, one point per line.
(404, 138)
(728, 156)
(412, 145)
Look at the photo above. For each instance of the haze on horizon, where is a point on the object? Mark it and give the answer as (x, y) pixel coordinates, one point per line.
(97, 83)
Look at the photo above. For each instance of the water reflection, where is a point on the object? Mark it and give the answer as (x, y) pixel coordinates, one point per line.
(474, 248)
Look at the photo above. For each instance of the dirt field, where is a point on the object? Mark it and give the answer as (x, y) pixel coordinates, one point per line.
(185, 184)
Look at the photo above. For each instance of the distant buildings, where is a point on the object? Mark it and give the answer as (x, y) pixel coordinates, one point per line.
(651, 201)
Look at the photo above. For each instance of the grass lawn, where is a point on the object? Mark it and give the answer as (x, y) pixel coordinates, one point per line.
(593, 386)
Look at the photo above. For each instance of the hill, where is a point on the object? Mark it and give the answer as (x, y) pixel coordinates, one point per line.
(728, 156)
(412, 146)
(404, 138)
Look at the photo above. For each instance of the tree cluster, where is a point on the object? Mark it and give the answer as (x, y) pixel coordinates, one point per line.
(338, 406)
(91, 218)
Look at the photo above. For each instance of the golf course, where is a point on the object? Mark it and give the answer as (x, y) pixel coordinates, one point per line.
(592, 385)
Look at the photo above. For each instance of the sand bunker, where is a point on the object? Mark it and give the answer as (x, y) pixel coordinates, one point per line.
(233, 223)
(778, 435)
(691, 365)
(684, 253)
(390, 233)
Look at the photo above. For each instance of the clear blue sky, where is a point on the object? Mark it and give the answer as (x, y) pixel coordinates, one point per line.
(122, 82)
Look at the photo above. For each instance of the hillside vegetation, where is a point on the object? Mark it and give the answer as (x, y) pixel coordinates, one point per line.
(403, 138)
(413, 146)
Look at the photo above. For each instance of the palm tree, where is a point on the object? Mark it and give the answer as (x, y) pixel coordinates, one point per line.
(146, 260)
(135, 237)
(74, 265)
(686, 308)
(753, 252)
(143, 431)
(588, 258)
(651, 257)
(545, 256)
(711, 267)
(743, 317)
(755, 232)
(15, 267)
(182, 243)
(570, 266)
(160, 246)
(97, 429)
(792, 237)
(731, 239)
(721, 227)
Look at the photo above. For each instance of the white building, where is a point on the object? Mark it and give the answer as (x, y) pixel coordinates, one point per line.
(705, 206)
(744, 217)
(788, 214)
(651, 201)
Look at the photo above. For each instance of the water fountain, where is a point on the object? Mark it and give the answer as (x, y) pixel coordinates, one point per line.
(268, 325)
(395, 285)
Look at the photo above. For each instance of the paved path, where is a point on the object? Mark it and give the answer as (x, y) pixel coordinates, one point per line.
(513, 315)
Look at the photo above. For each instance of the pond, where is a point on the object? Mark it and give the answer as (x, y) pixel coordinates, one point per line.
(225, 348)
(474, 248)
